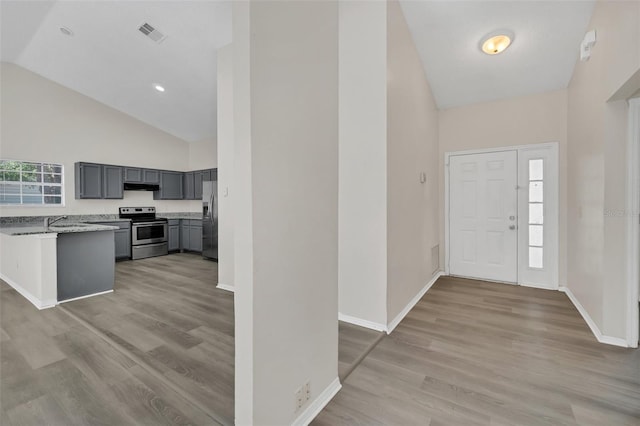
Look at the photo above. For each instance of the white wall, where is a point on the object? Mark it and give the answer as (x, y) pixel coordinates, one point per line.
(203, 154)
(363, 161)
(596, 239)
(518, 121)
(44, 121)
(286, 151)
(225, 169)
(243, 218)
(412, 148)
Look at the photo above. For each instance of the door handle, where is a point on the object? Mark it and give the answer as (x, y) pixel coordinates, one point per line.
(512, 227)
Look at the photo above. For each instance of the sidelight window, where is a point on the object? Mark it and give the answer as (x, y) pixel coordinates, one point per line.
(536, 213)
(27, 183)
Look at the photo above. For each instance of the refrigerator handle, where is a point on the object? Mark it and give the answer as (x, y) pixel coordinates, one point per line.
(211, 207)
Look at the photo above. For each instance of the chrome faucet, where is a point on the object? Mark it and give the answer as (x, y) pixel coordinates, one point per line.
(48, 221)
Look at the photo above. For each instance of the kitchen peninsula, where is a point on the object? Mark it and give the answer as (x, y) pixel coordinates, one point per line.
(58, 263)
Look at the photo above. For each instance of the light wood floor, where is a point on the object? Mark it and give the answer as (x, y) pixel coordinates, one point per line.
(159, 350)
(477, 353)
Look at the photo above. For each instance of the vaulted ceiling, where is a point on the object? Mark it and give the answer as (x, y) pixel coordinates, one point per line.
(107, 58)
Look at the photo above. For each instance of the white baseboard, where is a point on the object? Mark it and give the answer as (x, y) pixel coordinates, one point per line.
(609, 340)
(87, 296)
(393, 324)
(540, 286)
(40, 304)
(226, 287)
(318, 404)
(362, 322)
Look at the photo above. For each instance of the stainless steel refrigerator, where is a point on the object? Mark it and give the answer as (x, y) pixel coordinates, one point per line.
(210, 220)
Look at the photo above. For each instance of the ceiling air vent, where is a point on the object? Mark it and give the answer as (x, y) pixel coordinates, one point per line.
(152, 33)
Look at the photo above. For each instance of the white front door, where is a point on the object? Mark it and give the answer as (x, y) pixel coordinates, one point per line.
(483, 206)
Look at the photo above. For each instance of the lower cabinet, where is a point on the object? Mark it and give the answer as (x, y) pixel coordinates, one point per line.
(195, 237)
(174, 235)
(191, 235)
(122, 237)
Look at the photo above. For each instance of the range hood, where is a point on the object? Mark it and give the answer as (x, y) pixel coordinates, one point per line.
(141, 187)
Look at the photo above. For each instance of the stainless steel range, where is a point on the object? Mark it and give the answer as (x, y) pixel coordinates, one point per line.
(148, 233)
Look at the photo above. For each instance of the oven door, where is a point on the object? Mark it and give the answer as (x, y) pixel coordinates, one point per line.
(148, 233)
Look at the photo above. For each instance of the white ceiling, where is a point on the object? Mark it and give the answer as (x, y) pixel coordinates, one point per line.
(109, 60)
(541, 57)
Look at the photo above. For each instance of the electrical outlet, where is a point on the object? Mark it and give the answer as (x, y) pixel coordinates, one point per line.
(307, 391)
(302, 395)
(299, 398)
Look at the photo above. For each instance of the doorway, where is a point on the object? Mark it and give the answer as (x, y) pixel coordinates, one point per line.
(484, 205)
(501, 215)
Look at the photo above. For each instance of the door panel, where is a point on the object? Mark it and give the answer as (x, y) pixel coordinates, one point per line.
(483, 210)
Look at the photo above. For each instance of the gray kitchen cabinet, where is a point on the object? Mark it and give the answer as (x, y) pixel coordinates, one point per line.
(123, 244)
(84, 263)
(122, 237)
(189, 186)
(174, 235)
(171, 186)
(184, 234)
(140, 175)
(193, 184)
(198, 177)
(98, 181)
(195, 235)
(88, 180)
(191, 235)
(209, 175)
(112, 182)
(133, 175)
(150, 176)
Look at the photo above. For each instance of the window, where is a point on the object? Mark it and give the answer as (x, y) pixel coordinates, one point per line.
(536, 213)
(27, 183)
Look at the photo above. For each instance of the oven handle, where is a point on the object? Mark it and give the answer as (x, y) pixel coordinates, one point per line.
(148, 223)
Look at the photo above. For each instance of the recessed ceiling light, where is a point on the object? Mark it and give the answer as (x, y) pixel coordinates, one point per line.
(496, 42)
(66, 31)
(158, 88)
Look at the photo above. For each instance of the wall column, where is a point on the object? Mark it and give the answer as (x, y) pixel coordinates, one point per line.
(285, 81)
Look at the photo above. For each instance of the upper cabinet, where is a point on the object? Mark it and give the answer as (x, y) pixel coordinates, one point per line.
(171, 186)
(139, 175)
(193, 183)
(189, 186)
(133, 175)
(150, 176)
(112, 182)
(88, 180)
(98, 181)
(104, 181)
(198, 177)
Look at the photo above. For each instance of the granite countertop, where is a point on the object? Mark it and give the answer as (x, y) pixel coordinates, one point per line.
(62, 228)
(180, 215)
(24, 225)
(117, 219)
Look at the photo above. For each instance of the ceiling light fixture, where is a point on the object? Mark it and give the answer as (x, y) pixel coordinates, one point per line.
(496, 42)
(66, 31)
(159, 88)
